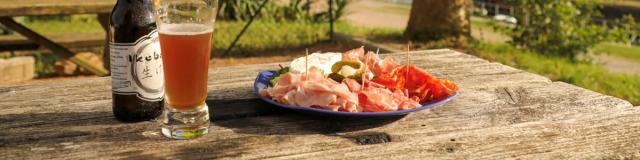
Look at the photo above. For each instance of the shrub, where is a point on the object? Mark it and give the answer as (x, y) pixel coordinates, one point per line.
(559, 27)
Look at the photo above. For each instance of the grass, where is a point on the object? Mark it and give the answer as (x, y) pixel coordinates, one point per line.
(482, 23)
(620, 50)
(75, 24)
(264, 35)
(583, 74)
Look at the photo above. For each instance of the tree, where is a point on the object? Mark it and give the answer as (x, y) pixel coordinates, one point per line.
(437, 19)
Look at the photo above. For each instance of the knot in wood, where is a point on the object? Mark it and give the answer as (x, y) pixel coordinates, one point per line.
(371, 138)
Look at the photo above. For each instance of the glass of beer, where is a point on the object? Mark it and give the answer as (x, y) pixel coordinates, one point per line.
(185, 28)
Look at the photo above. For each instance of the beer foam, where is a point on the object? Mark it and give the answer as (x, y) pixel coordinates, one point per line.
(185, 29)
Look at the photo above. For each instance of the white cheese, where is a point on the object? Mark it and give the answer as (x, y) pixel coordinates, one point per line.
(323, 61)
(347, 70)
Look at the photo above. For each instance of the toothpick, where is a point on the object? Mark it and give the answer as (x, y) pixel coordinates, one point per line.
(364, 72)
(306, 63)
(408, 58)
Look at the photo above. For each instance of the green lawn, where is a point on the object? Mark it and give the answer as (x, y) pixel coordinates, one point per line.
(620, 50)
(482, 23)
(269, 35)
(76, 23)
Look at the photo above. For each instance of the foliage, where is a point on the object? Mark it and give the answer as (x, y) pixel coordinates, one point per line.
(559, 27)
(293, 10)
(44, 63)
(583, 74)
(48, 18)
(4, 30)
(628, 27)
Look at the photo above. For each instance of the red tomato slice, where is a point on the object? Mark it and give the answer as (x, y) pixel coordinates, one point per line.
(417, 82)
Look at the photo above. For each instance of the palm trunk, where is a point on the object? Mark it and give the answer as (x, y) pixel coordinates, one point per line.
(435, 19)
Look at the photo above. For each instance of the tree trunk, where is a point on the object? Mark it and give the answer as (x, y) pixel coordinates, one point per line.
(436, 19)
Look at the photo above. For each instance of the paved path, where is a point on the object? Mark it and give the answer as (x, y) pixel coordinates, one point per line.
(617, 64)
(377, 13)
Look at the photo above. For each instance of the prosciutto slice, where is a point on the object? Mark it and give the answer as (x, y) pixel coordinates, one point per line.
(313, 90)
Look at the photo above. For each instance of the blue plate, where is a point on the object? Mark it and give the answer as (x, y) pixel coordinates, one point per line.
(262, 81)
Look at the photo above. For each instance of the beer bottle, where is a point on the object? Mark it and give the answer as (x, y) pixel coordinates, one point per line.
(136, 62)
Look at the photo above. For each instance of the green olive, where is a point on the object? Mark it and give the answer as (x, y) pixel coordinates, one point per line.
(336, 67)
(336, 77)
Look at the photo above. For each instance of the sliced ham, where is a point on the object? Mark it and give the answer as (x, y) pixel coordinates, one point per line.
(313, 90)
(377, 98)
(354, 54)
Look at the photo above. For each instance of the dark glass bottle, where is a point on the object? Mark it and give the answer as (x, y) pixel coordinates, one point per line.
(135, 62)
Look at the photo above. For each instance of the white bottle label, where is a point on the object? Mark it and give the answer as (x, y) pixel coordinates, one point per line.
(136, 68)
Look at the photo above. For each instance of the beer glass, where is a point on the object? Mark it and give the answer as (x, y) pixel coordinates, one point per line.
(185, 28)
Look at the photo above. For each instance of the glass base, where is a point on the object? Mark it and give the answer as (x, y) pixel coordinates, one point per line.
(185, 124)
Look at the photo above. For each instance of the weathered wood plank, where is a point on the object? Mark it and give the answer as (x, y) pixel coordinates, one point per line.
(501, 113)
(10, 8)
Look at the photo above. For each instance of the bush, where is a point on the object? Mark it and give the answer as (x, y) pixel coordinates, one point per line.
(564, 27)
(559, 27)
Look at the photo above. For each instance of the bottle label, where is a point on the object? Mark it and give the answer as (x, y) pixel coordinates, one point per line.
(136, 68)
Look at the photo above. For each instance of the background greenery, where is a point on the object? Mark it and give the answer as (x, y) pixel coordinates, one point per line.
(564, 28)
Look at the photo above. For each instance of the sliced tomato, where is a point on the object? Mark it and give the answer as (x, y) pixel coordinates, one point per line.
(417, 82)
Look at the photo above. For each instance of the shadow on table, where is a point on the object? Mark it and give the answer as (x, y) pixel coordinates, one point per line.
(253, 116)
(55, 128)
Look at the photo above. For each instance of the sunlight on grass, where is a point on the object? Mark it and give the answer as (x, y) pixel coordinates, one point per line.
(76, 23)
(266, 35)
(621, 50)
(587, 75)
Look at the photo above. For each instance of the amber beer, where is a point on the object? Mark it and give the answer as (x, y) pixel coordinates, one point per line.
(185, 51)
(185, 28)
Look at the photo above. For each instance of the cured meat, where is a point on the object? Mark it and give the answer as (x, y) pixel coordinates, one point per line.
(312, 89)
(385, 86)
(380, 99)
(354, 54)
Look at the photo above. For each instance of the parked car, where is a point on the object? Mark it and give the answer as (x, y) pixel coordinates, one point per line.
(505, 18)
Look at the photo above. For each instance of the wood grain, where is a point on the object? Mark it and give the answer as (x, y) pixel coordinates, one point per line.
(501, 113)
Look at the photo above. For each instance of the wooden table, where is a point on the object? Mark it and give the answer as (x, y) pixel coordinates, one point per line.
(501, 112)
(13, 8)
